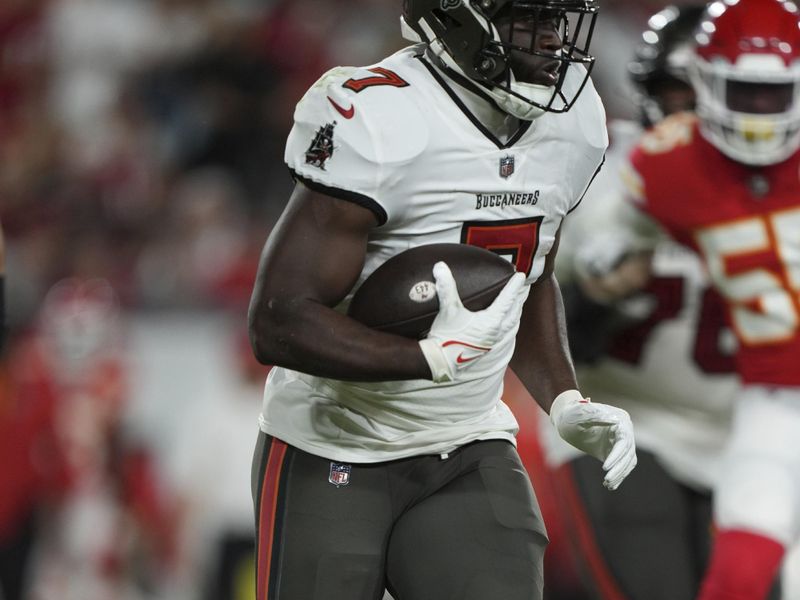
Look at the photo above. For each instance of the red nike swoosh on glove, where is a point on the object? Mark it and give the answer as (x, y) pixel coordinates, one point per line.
(461, 360)
(346, 113)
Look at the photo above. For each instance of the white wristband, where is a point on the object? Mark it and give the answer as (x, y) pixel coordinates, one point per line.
(437, 363)
(562, 401)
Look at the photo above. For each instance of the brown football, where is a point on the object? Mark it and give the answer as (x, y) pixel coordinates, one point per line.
(400, 297)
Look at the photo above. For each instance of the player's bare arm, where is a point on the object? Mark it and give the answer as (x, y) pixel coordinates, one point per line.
(541, 358)
(542, 362)
(310, 262)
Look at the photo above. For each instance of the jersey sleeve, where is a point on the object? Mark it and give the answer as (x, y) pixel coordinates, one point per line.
(591, 133)
(355, 145)
(329, 152)
(635, 215)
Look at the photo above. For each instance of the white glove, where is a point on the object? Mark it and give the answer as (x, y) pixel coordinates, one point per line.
(604, 431)
(458, 336)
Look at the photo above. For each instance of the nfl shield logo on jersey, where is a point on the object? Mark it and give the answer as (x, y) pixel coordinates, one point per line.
(506, 166)
(339, 474)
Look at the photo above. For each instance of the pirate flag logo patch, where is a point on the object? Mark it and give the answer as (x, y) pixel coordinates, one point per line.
(321, 148)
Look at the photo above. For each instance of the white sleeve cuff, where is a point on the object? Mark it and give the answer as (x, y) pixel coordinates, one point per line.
(437, 362)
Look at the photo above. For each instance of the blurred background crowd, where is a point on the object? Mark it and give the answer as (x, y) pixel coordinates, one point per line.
(141, 170)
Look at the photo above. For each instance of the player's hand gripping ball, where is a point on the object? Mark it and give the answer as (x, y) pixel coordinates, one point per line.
(400, 296)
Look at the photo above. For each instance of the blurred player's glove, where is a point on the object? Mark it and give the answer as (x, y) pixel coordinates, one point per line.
(458, 336)
(603, 431)
(601, 254)
(611, 267)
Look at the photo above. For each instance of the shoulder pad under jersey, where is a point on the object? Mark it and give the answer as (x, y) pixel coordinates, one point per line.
(353, 128)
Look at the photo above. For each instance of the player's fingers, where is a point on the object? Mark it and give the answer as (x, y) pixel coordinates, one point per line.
(622, 444)
(617, 475)
(446, 287)
(513, 315)
(509, 294)
(619, 466)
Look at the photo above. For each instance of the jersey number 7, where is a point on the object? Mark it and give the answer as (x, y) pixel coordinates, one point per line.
(516, 239)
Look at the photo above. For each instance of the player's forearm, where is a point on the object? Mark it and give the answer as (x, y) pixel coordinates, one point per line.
(541, 358)
(306, 336)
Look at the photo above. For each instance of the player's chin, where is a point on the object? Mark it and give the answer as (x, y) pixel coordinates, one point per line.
(544, 73)
(544, 77)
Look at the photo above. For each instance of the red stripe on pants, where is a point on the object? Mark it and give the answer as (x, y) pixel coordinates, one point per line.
(590, 553)
(266, 515)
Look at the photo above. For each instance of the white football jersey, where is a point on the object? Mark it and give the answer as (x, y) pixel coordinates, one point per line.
(673, 372)
(395, 138)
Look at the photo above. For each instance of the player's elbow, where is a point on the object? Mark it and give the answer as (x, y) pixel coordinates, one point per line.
(264, 328)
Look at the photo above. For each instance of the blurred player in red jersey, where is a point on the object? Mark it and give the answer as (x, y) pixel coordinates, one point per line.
(651, 541)
(725, 183)
(73, 461)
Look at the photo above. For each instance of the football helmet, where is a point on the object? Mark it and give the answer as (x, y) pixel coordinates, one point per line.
(747, 79)
(661, 59)
(79, 318)
(464, 36)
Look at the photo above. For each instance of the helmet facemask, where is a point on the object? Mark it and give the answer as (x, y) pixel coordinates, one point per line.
(746, 73)
(750, 111)
(507, 47)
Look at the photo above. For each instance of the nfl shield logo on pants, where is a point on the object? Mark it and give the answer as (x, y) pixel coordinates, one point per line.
(506, 166)
(339, 474)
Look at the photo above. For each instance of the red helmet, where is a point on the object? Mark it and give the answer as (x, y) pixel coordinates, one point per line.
(747, 79)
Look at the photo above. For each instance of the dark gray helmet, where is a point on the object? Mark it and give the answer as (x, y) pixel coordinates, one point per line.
(661, 58)
(463, 34)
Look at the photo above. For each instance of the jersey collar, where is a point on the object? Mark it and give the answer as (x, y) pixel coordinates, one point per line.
(477, 106)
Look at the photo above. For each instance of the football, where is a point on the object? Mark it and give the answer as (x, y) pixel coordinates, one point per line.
(400, 295)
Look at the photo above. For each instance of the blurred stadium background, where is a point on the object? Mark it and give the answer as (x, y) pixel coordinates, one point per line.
(141, 146)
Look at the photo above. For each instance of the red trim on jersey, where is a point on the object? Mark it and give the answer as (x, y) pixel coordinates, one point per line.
(384, 77)
(590, 552)
(266, 516)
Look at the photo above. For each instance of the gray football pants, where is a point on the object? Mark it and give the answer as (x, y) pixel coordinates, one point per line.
(464, 527)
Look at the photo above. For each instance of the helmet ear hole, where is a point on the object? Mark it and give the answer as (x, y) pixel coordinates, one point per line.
(487, 67)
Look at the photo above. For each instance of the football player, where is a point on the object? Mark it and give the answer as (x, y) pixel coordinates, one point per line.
(725, 183)
(390, 462)
(651, 540)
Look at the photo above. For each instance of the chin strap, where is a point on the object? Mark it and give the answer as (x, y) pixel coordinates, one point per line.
(408, 33)
(479, 89)
(514, 105)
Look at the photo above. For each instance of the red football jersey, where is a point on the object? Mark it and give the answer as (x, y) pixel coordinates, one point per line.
(745, 223)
